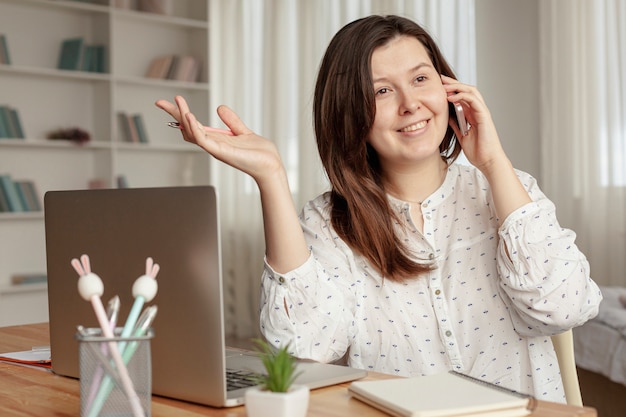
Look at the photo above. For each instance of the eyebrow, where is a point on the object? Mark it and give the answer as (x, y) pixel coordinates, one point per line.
(414, 69)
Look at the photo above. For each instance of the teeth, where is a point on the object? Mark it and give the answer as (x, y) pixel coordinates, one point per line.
(416, 126)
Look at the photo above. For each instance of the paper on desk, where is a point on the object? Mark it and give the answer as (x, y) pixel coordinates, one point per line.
(37, 356)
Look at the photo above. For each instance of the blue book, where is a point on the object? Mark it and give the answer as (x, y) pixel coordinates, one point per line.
(10, 192)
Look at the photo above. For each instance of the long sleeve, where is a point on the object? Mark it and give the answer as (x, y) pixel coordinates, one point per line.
(312, 307)
(542, 271)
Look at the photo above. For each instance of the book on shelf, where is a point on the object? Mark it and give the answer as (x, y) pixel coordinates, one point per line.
(18, 196)
(76, 55)
(175, 67)
(448, 394)
(5, 57)
(122, 181)
(30, 195)
(137, 120)
(132, 127)
(10, 124)
(93, 58)
(9, 189)
(70, 54)
(26, 279)
(156, 6)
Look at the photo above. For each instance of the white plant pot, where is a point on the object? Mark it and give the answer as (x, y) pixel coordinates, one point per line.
(263, 403)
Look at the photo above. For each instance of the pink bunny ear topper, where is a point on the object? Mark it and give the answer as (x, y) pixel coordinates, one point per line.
(152, 269)
(82, 267)
(89, 284)
(146, 286)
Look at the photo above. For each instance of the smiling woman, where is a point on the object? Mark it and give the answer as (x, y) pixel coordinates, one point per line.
(286, 39)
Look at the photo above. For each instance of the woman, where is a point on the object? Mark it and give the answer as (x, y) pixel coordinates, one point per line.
(411, 264)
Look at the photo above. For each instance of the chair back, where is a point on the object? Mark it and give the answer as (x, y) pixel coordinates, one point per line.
(564, 348)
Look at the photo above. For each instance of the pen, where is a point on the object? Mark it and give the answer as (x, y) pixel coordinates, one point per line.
(113, 310)
(144, 290)
(143, 324)
(177, 125)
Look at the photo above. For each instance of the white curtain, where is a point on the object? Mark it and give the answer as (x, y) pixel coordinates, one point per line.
(583, 135)
(265, 56)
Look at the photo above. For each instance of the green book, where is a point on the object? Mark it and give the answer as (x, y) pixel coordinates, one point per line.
(16, 124)
(4, 50)
(10, 191)
(28, 192)
(70, 55)
(21, 195)
(4, 203)
(5, 131)
(141, 129)
(87, 58)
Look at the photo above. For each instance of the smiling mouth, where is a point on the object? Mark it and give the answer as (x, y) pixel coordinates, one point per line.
(415, 127)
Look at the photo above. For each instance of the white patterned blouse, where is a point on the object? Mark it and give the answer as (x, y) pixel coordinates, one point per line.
(479, 312)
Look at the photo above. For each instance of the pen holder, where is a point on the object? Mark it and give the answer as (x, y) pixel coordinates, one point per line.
(102, 388)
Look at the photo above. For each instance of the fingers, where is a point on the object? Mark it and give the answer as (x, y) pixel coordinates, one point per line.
(192, 129)
(169, 108)
(232, 120)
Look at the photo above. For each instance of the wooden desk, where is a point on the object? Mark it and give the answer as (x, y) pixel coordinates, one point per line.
(36, 392)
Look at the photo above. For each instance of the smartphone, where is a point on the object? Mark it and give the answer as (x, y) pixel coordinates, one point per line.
(460, 119)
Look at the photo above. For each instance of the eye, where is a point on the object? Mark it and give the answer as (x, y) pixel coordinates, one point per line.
(420, 79)
(381, 91)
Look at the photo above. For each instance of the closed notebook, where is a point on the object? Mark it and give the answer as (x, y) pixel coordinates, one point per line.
(441, 395)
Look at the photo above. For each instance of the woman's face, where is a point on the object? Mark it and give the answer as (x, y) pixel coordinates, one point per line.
(411, 104)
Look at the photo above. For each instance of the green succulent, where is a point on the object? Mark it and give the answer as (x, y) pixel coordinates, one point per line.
(279, 365)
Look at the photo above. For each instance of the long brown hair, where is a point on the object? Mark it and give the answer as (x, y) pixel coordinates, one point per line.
(344, 108)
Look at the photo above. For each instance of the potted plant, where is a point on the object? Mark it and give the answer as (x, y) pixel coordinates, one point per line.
(277, 395)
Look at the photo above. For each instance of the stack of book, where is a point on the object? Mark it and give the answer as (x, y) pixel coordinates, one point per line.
(77, 56)
(18, 196)
(10, 124)
(4, 50)
(175, 67)
(132, 126)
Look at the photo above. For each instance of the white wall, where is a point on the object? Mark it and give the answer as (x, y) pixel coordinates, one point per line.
(507, 45)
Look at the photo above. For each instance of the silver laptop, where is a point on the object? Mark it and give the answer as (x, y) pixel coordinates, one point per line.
(179, 228)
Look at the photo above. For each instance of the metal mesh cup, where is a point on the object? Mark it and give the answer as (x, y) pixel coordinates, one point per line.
(102, 391)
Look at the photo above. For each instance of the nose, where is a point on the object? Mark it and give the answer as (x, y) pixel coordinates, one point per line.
(409, 102)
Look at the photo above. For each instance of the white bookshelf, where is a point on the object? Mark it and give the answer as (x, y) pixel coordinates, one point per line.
(48, 99)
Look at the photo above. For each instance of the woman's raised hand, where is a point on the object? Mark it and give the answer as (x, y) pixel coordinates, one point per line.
(243, 149)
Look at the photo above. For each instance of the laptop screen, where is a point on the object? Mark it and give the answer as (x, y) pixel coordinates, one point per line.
(118, 229)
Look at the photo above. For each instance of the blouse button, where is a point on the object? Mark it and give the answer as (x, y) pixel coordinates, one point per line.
(437, 292)
(448, 333)
(431, 256)
(281, 280)
(425, 205)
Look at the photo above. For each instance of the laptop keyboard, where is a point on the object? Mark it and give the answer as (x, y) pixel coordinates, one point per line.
(237, 379)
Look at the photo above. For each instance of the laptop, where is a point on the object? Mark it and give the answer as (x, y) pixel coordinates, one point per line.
(179, 228)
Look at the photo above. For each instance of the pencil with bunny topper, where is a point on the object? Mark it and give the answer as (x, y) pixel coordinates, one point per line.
(91, 288)
(144, 290)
